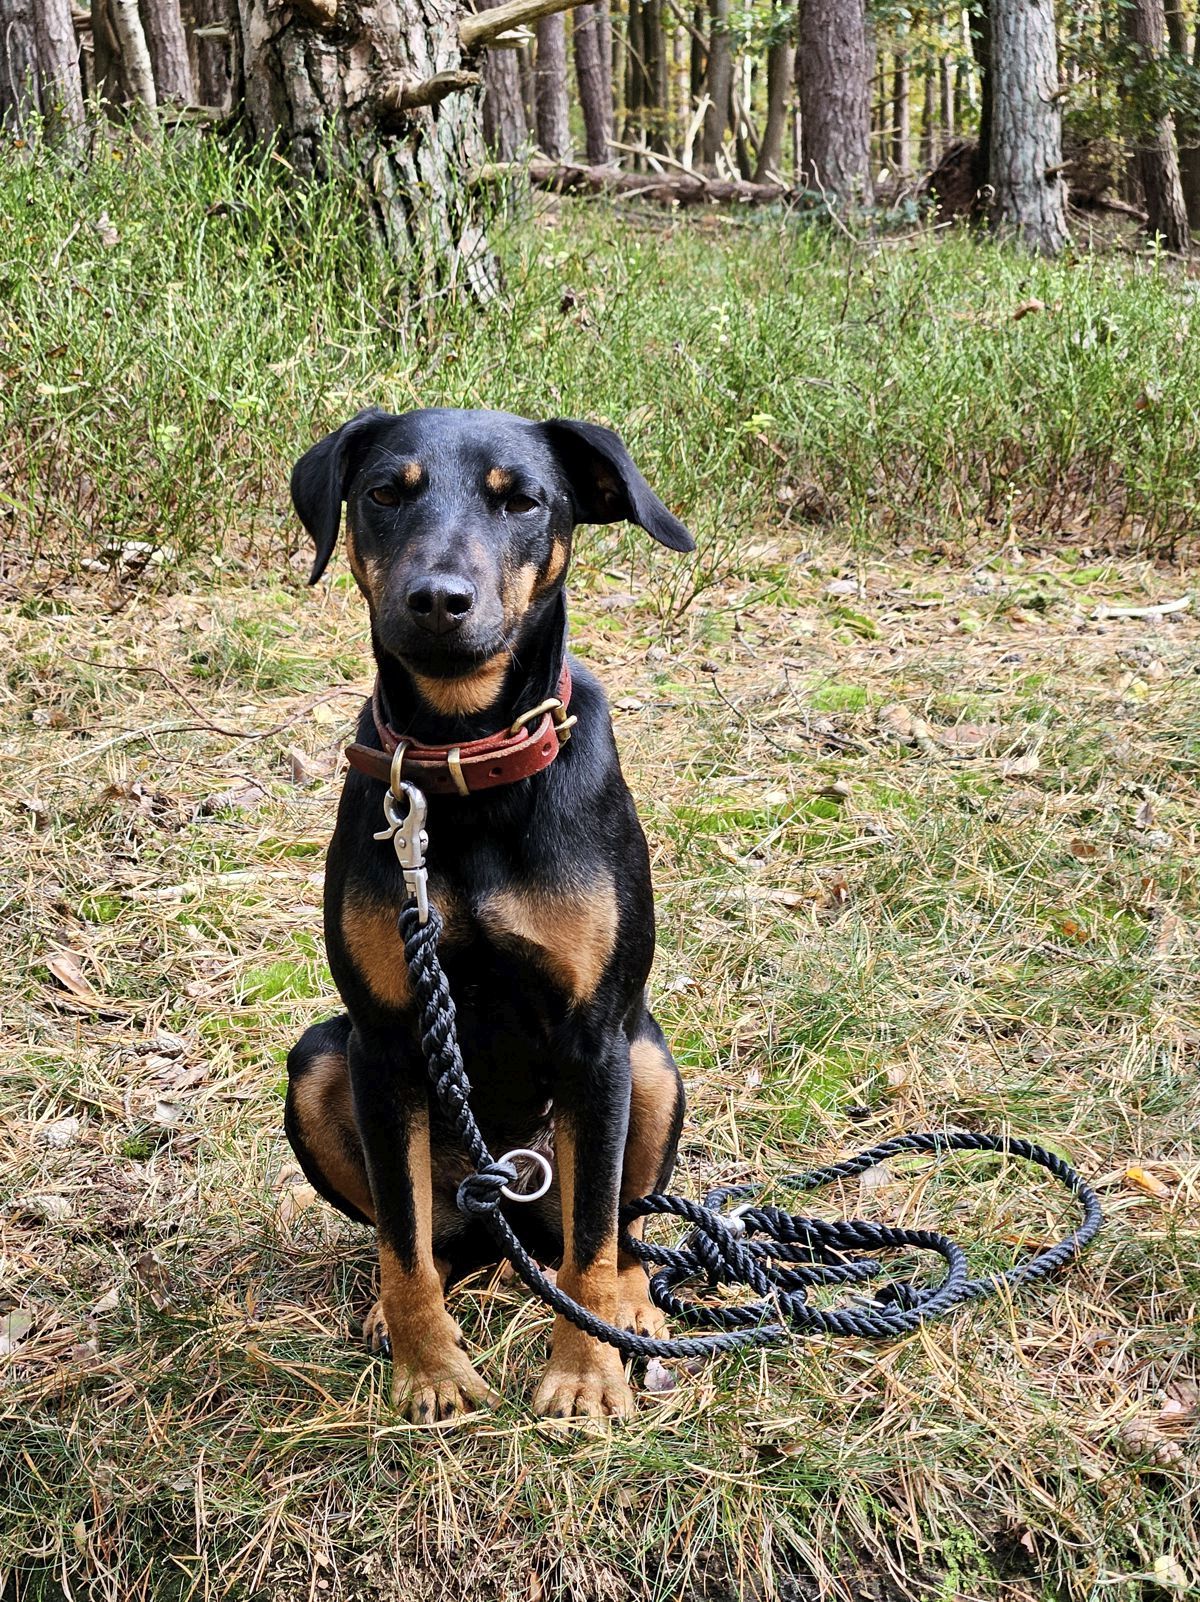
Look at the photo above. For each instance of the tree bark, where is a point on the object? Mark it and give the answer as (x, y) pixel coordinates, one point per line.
(1156, 159)
(593, 72)
(216, 69)
(1189, 151)
(929, 134)
(135, 56)
(317, 94)
(1025, 157)
(166, 41)
(60, 83)
(637, 87)
(901, 113)
(833, 67)
(780, 66)
(505, 129)
(719, 85)
(18, 64)
(658, 91)
(550, 88)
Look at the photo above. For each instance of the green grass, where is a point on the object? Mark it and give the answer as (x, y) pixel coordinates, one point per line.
(859, 931)
(157, 387)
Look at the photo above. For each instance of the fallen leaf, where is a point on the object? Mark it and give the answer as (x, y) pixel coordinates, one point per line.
(1170, 1573)
(896, 721)
(628, 703)
(242, 798)
(1083, 850)
(307, 769)
(1143, 818)
(1142, 1180)
(108, 1303)
(65, 967)
(105, 231)
(1026, 307)
(169, 1113)
(1017, 767)
(294, 1201)
(14, 1327)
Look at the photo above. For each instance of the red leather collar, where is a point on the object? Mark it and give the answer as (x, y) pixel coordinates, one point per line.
(515, 753)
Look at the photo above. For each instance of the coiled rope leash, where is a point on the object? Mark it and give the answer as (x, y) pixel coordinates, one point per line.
(780, 1256)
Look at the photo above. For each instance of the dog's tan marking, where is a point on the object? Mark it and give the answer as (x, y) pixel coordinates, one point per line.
(518, 592)
(325, 1112)
(585, 1377)
(456, 698)
(432, 1376)
(652, 1098)
(411, 474)
(572, 931)
(499, 480)
(554, 567)
(369, 930)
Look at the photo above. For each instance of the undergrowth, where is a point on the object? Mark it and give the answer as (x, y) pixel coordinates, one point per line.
(180, 321)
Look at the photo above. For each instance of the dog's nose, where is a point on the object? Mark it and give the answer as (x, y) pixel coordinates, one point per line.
(440, 601)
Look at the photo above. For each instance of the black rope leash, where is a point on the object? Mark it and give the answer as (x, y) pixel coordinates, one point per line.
(780, 1256)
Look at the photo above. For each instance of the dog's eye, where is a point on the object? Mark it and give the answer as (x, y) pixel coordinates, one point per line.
(383, 496)
(520, 503)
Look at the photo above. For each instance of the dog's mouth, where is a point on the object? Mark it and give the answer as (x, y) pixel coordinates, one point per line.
(450, 662)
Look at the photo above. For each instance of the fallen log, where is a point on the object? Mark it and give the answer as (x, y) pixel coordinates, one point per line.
(664, 189)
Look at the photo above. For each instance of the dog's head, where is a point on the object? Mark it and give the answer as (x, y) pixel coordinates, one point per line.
(458, 523)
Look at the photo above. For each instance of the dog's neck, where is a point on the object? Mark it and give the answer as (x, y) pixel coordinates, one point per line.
(448, 711)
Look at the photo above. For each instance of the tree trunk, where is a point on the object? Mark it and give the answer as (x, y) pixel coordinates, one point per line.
(60, 82)
(106, 56)
(18, 64)
(216, 58)
(979, 23)
(505, 128)
(330, 100)
(1189, 151)
(720, 83)
(1155, 157)
(780, 65)
(550, 88)
(929, 135)
(901, 115)
(1028, 193)
(135, 56)
(637, 88)
(167, 44)
(658, 91)
(946, 76)
(833, 66)
(593, 68)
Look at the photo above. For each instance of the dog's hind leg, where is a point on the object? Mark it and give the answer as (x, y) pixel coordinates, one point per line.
(656, 1106)
(318, 1118)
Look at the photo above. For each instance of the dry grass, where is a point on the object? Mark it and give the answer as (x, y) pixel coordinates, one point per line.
(995, 928)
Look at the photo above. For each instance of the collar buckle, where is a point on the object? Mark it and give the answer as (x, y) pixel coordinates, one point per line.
(558, 712)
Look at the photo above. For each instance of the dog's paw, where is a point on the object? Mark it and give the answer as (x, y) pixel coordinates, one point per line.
(375, 1333)
(448, 1387)
(635, 1310)
(591, 1388)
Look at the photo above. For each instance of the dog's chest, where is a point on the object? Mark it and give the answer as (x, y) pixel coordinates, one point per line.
(502, 931)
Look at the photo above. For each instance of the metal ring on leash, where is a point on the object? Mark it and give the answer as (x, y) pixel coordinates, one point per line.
(543, 1163)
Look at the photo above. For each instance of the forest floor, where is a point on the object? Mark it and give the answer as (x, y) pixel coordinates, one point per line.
(924, 831)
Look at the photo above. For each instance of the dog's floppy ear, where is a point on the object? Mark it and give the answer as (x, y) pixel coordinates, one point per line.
(606, 485)
(320, 479)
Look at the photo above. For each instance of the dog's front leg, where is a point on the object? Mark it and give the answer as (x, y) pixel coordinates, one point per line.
(432, 1378)
(586, 1377)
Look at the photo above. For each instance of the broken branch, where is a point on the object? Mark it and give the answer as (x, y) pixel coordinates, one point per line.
(483, 28)
(665, 189)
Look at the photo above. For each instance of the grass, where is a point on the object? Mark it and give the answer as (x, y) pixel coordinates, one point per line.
(924, 837)
(178, 321)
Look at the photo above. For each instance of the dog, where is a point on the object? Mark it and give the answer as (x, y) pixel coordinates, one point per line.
(458, 532)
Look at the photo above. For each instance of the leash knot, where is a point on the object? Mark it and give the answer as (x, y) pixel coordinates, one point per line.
(479, 1193)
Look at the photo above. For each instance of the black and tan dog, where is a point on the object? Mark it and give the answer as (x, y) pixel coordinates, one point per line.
(458, 531)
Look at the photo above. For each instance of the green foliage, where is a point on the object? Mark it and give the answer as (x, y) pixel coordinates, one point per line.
(157, 385)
